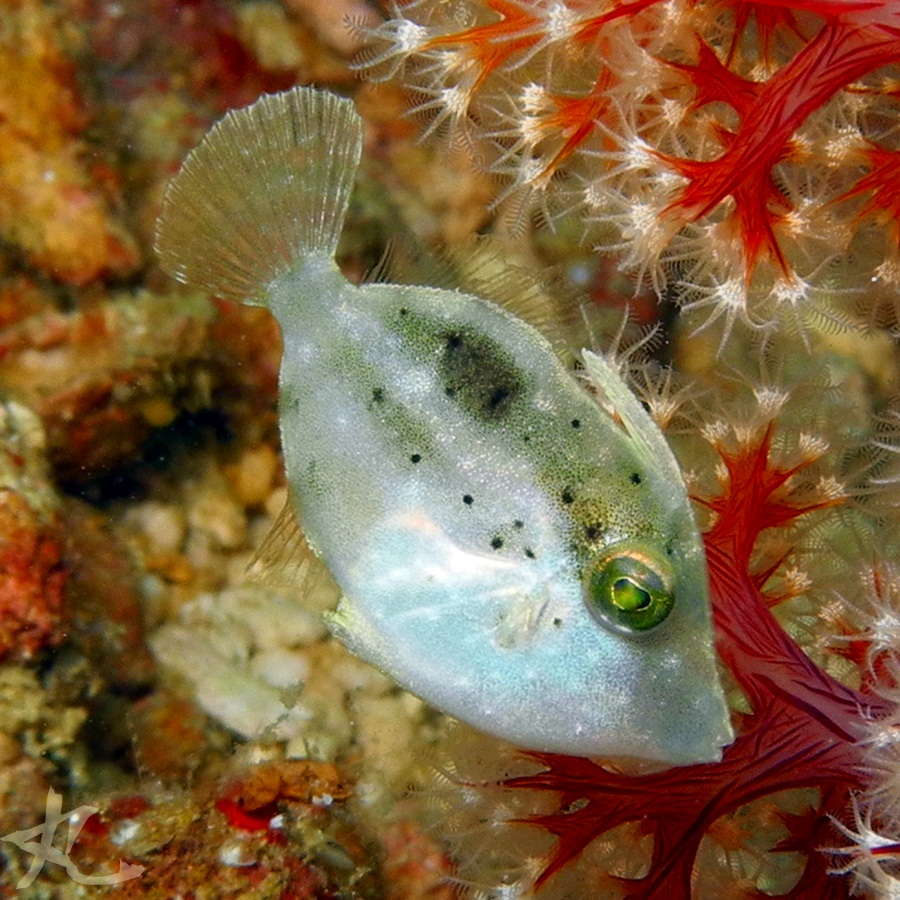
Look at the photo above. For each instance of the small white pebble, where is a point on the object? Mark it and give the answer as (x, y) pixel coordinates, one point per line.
(356, 676)
(216, 513)
(164, 524)
(280, 668)
(251, 478)
(275, 621)
(264, 27)
(386, 737)
(236, 855)
(124, 831)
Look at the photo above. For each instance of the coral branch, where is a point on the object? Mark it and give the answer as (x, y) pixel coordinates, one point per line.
(589, 29)
(489, 47)
(783, 749)
(882, 183)
(715, 82)
(691, 137)
(837, 55)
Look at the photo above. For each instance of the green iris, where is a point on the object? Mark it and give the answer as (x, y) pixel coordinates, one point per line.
(630, 589)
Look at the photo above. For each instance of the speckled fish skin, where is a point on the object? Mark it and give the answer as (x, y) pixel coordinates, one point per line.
(457, 480)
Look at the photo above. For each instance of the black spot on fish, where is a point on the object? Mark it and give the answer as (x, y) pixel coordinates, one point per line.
(519, 523)
(403, 311)
(592, 532)
(496, 542)
(576, 423)
(497, 398)
(567, 496)
(416, 457)
(378, 395)
(635, 478)
(468, 499)
(557, 623)
(479, 374)
(529, 552)
(526, 438)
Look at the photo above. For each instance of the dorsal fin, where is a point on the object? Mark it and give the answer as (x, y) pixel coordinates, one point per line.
(481, 267)
(625, 409)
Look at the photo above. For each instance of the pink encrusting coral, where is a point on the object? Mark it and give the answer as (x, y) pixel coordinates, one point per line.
(32, 578)
(734, 152)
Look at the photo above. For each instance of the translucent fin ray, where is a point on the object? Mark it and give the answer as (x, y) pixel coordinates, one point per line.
(480, 267)
(267, 186)
(285, 562)
(626, 409)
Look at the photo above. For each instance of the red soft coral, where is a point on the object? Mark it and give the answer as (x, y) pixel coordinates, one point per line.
(715, 144)
(841, 52)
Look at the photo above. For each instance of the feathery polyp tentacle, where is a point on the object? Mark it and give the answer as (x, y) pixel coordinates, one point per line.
(268, 186)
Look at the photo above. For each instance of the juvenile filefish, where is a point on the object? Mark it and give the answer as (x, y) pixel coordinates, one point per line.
(517, 554)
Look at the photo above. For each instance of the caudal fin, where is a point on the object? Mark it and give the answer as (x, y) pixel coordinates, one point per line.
(267, 185)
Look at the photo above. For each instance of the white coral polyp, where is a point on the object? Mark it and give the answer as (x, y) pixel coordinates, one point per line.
(797, 581)
(724, 300)
(561, 23)
(408, 37)
(812, 446)
(844, 146)
(531, 131)
(868, 853)
(885, 631)
(791, 291)
(447, 103)
(831, 488)
(731, 294)
(888, 273)
(672, 112)
(796, 222)
(533, 99)
(638, 156)
(595, 198)
(643, 218)
(770, 400)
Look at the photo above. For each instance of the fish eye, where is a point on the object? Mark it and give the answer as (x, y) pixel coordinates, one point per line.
(630, 589)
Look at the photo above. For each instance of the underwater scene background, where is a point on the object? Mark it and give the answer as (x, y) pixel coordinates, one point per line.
(706, 191)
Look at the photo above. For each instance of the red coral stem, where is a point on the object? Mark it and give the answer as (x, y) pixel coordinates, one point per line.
(839, 54)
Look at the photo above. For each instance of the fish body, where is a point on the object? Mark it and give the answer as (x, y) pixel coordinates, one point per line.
(517, 554)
